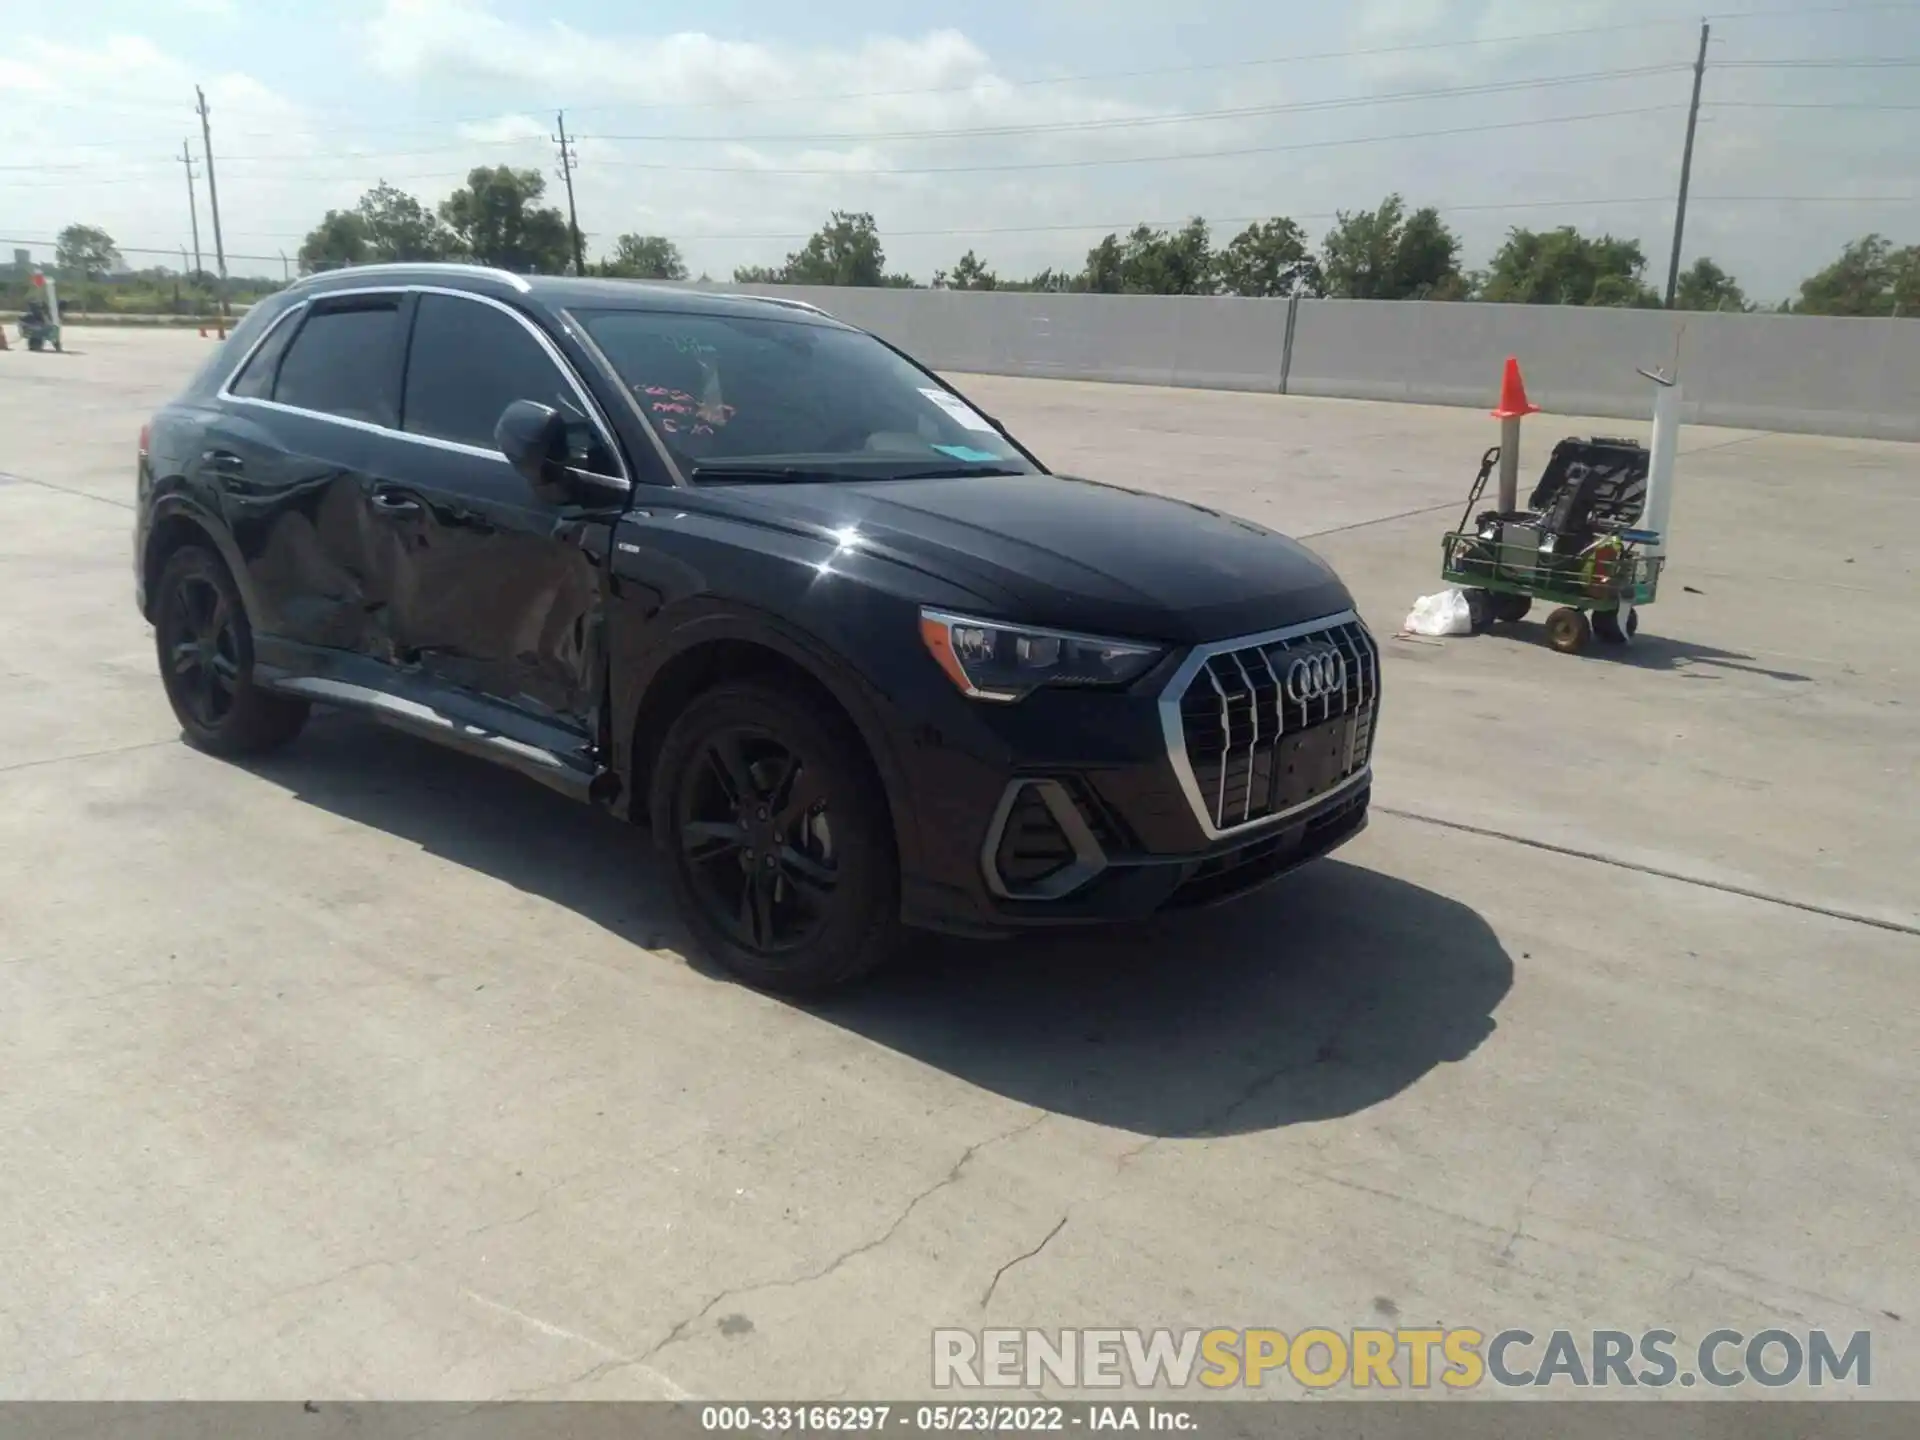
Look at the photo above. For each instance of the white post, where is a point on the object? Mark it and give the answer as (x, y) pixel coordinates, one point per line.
(1509, 493)
(53, 302)
(1657, 515)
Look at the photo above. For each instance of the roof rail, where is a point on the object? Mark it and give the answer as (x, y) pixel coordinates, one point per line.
(430, 267)
(789, 303)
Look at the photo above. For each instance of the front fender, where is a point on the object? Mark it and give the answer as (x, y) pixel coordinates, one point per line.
(705, 620)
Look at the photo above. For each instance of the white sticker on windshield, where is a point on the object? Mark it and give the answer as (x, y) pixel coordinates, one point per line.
(959, 410)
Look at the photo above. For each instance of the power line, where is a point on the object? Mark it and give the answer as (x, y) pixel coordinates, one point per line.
(1141, 159)
(1337, 102)
(675, 168)
(1804, 105)
(1181, 117)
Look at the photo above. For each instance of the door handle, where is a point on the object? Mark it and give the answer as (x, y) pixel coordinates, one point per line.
(394, 502)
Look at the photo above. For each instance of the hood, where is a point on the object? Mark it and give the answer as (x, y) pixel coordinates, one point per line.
(1069, 553)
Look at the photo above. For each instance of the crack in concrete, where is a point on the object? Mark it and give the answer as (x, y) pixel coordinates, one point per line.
(89, 755)
(680, 1328)
(1853, 917)
(1021, 1259)
(66, 490)
(1526, 1200)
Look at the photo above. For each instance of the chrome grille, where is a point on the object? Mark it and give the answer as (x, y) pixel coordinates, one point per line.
(1246, 735)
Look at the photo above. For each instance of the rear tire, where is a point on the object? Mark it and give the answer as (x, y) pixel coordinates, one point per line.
(778, 837)
(1510, 608)
(204, 647)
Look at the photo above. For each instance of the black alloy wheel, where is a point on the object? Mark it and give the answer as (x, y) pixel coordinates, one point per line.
(201, 649)
(778, 836)
(756, 830)
(204, 647)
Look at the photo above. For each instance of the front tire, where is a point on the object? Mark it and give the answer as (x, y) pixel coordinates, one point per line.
(778, 836)
(205, 650)
(1568, 630)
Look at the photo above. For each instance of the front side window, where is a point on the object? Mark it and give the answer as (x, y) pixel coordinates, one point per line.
(729, 393)
(338, 363)
(468, 362)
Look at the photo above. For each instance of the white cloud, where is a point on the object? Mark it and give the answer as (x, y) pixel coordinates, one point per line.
(504, 130)
(697, 135)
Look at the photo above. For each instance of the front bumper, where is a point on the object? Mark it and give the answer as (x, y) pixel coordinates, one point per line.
(1203, 784)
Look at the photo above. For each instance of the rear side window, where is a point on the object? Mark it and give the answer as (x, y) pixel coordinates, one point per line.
(340, 364)
(256, 381)
(468, 362)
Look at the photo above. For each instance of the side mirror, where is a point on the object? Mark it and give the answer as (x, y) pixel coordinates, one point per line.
(533, 437)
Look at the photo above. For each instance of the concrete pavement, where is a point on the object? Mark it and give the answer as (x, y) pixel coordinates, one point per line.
(370, 1071)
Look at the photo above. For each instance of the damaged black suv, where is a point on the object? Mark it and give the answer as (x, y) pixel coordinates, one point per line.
(760, 582)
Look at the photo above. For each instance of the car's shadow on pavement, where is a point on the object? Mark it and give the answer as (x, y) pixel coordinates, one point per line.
(1331, 991)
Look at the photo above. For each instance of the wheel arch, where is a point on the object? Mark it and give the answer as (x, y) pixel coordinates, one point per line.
(717, 648)
(178, 522)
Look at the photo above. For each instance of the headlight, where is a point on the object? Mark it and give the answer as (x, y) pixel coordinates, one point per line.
(993, 661)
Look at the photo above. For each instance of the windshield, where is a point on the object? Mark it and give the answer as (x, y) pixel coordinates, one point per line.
(729, 393)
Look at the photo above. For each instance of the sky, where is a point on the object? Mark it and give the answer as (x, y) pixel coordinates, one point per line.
(735, 126)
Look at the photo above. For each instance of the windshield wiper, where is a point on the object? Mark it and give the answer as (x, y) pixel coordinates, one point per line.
(790, 470)
(750, 470)
(951, 472)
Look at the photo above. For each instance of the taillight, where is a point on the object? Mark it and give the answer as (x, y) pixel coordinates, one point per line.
(145, 430)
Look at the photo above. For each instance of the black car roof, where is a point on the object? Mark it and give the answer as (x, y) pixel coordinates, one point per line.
(562, 292)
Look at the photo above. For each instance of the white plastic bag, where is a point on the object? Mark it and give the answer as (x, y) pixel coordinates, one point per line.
(1444, 614)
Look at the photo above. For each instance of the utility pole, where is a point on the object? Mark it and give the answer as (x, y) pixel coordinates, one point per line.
(193, 206)
(1686, 168)
(568, 160)
(286, 269)
(213, 196)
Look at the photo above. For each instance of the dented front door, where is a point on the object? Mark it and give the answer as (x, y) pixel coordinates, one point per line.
(492, 591)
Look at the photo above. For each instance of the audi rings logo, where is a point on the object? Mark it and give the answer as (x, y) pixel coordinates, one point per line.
(1315, 676)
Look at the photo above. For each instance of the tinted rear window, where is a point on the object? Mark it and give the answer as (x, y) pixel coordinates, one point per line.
(257, 379)
(341, 364)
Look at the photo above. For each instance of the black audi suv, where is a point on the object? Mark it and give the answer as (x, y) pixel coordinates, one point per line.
(760, 582)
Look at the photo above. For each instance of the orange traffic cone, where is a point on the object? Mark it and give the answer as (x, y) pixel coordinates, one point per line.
(1513, 394)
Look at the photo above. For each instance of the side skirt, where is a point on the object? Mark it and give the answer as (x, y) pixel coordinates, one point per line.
(555, 755)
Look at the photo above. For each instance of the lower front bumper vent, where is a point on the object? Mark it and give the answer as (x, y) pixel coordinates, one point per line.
(1039, 846)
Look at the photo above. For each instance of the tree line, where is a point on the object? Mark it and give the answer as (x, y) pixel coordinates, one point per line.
(1390, 252)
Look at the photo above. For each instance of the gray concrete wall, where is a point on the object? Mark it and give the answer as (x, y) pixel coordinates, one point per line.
(1773, 372)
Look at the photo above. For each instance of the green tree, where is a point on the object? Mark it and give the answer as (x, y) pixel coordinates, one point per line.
(1869, 278)
(399, 228)
(1104, 274)
(498, 221)
(1268, 259)
(969, 273)
(1564, 267)
(1387, 254)
(845, 251)
(339, 239)
(645, 257)
(1153, 262)
(1705, 286)
(86, 251)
